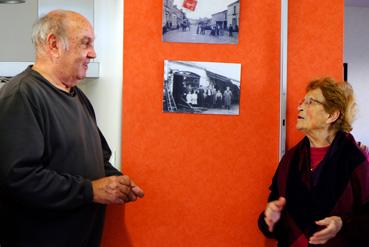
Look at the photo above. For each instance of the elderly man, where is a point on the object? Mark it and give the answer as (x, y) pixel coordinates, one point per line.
(55, 175)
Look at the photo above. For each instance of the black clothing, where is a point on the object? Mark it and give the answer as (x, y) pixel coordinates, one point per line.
(339, 186)
(50, 151)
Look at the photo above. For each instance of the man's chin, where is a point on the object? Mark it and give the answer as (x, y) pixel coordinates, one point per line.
(81, 76)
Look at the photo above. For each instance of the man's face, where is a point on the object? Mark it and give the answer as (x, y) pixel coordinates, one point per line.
(74, 60)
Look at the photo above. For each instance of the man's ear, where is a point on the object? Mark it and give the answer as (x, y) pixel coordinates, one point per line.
(53, 45)
(333, 116)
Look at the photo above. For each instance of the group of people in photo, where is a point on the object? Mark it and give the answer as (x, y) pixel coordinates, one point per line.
(215, 30)
(209, 97)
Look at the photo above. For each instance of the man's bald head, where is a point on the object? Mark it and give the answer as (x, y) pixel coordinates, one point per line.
(55, 22)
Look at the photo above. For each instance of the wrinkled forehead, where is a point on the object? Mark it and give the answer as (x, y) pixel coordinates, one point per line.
(315, 93)
(77, 25)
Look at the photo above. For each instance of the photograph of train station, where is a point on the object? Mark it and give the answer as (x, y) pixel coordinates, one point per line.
(201, 87)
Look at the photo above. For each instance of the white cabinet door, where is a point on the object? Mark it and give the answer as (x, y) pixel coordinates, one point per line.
(15, 31)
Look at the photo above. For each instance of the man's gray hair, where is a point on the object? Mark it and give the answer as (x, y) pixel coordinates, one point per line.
(54, 23)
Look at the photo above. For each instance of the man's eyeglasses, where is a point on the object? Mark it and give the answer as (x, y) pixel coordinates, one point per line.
(309, 101)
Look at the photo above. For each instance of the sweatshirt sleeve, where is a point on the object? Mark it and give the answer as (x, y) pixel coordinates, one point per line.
(24, 177)
(110, 170)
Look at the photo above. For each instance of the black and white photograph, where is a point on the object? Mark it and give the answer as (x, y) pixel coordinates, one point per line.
(201, 87)
(201, 21)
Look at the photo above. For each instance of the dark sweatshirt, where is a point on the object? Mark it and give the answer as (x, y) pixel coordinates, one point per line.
(50, 151)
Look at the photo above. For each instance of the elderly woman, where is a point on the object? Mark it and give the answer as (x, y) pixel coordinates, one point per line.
(320, 191)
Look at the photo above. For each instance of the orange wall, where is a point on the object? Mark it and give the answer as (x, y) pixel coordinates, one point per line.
(315, 49)
(206, 177)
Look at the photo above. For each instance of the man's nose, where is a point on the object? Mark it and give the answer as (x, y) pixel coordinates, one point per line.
(92, 53)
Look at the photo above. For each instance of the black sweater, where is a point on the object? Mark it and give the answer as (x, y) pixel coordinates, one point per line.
(50, 151)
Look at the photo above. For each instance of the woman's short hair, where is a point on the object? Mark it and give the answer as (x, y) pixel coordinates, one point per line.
(339, 96)
(54, 22)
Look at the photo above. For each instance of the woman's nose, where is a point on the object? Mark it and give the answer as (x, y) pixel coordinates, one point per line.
(299, 106)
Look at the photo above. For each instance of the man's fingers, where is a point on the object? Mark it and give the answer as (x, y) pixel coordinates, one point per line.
(124, 180)
(115, 189)
(132, 197)
(138, 191)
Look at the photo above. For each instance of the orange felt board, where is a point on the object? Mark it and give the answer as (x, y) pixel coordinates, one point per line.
(315, 49)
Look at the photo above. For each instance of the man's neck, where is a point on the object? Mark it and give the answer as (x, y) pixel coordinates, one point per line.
(50, 77)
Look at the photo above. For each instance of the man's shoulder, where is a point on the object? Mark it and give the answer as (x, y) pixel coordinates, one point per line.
(24, 87)
(21, 83)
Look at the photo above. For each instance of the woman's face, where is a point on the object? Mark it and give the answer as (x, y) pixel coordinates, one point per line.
(311, 114)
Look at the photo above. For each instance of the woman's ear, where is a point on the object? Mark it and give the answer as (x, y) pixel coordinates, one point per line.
(333, 116)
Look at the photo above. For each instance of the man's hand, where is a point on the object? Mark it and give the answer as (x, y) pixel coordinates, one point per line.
(273, 212)
(138, 192)
(115, 190)
(332, 225)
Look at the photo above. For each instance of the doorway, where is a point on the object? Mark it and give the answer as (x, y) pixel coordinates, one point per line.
(356, 56)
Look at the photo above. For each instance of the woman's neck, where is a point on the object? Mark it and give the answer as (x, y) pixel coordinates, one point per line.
(321, 139)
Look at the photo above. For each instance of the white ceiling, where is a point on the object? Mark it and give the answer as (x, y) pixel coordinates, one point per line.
(358, 3)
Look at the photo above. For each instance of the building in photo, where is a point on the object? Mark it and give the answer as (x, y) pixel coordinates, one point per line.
(220, 19)
(233, 15)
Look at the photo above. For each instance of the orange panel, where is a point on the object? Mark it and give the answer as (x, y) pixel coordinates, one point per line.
(206, 177)
(315, 49)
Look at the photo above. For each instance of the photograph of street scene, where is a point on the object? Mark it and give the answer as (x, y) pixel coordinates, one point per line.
(211, 21)
(201, 87)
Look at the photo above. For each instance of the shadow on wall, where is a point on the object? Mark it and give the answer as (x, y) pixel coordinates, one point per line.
(115, 231)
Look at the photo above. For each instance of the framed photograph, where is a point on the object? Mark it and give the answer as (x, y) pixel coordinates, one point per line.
(201, 21)
(201, 87)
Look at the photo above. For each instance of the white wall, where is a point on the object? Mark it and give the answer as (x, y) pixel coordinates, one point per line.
(356, 54)
(105, 93)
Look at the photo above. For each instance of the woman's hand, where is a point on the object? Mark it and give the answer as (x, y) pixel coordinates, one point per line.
(273, 212)
(332, 225)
